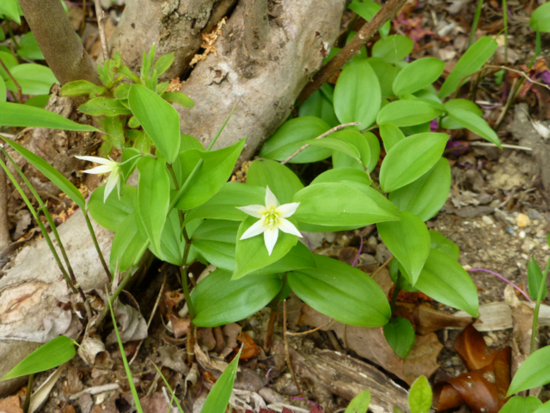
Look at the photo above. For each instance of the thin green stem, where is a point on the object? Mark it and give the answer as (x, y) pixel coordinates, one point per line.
(396, 291)
(29, 393)
(96, 245)
(475, 22)
(192, 313)
(177, 186)
(12, 37)
(542, 288)
(40, 225)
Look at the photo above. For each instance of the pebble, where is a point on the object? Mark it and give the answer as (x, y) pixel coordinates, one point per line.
(522, 234)
(510, 230)
(523, 220)
(487, 220)
(488, 341)
(534, 214)
(528, 245)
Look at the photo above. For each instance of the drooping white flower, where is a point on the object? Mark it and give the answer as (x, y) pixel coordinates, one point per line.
(272, 219)
(541, 129)
(106, 166)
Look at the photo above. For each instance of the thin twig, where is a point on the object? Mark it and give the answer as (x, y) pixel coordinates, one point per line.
(382, 266)
(520, 72)
(390, 8)
(287, 354)
(516, 84)
(101, 26)
(323, 135)
(504, 145)
(19, 91)
(496, 274)
(303, 333)
(4, 220)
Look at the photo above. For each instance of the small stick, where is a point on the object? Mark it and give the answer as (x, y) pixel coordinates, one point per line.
(19, 91)
(522, 73)
(101, 26)
(504, 145)
(323, 135)
(382, 266)
(287, 355)
(513, 92)
(4, 220)
(303, 333)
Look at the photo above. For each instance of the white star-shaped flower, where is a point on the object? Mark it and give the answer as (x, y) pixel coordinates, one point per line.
(272, 219)
(106, 166)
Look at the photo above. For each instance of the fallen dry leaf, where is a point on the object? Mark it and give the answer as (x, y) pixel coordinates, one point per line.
(471, 346)
(427, 320)
(250, 349)
(180, 326)
(11, 405)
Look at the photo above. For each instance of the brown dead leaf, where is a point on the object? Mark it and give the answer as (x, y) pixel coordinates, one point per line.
(11, 405)
(206, 338)
(155, 403)
(471, 346)
(427, 320)
(250, 349)
(180, 326)
(208, 42)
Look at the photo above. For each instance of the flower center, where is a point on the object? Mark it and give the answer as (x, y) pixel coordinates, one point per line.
(271, 218)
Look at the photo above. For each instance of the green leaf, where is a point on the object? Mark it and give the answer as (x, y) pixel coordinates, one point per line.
(215, 240)
(219, 300)
(49, 171)
(545, 408)
(390, 135)
(28, 47)
(81, 87)
(445, 280)
(9, 61)
(374, 149)
(385, 73)
(392, 48)
(340, 204)
(534, 372)
(10, 9)
(291, 136)
(360, 403)
(104, 107)
(190, 142)
(409, 242)
(163, 63)
(476, 124)
(251, 253)
(48, 356)
(127, 244)
(367, 9)
(357, 141)
(357, 95)
(172, 243)
(471, 61)
(463, 104)
(427, 195)
(399, 334)
(179, 98)
(128, 162)
(159, 120)
(519, 404)
(534, 277)
(13, 114)
(153, 197)
(281, 180)
(408, 112)
(540, 19)
(298, 257)
(218, 398)
(418, 75)
(112, 213)
(320, 106)
(336, 145)
(3, 93)
(212, 175)
(34, 79)
(342, 175)
(443, 244)
(38, 101)
(411, 158)
(341, 291)
(420, 396)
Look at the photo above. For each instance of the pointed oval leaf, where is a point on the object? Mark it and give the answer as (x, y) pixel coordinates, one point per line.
(540, 19)
(10, 9)
(390, 135)
(127, 244)
(81, 87)
(360, 403)
(534, 372)
(320, 106)
(113, 212)
(218, 398)
(408, 112)
(357, 141)
(342, 175)
(179, 98)
(385, 73)
(519, 404)
(48, 356)
(411, 158)
(420, 396)
(219, 300)
(545, 408)
(534, 277)
(443, 244)
(418, 75)
(3, 93)
(367, 9)
(172, 243)
(409, 242)
(341, 291)
(357, 95)
(335, 145)
(158, 118)
(393, 48)
(281, 180)
(34, 79)
(399, 334)
(476, 124)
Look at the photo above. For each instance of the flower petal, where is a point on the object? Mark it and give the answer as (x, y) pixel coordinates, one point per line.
(95, 159)
(286, 226)
(270, 239)
(103, 169)
(288, 210)
(255, 229)
(112, 182)
(270, 199)
(254, 210)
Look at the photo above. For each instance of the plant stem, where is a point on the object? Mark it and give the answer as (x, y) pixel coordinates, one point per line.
(12, 37)
(542, 288)
(184, 285)
(29, 393)
(96, 245)
(19, 90)
(396, 291)
(475, 22)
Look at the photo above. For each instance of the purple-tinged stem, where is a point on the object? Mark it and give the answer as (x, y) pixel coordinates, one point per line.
(358, 253)
(503, 279)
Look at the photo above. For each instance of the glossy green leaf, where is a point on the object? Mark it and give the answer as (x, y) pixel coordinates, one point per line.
(320, 106)
(409, 241)
(38, 101)
(152, 197)
(104, 107)
(357, 141)
(534, 372)
(519, 404)
(390, 135)
(251, 253)
(172, 243)
(463, 104)
(3, 93)
(163, 63)
(357, 95)
(81, 87)
(399, 334)
(336, 145)
(367, 9)
(219, 300)
(534, 278)
(427, 195)
(127, 244)
(218, 398)
(341, 291)
(215, 240)
(9, 9)
(299, 257)
(471, 61)
(540, 19)
(392, 48)
(545, 408)
(49, 171)
(411, 158)
(443, 244)
(420, 396)
(179, 98)
(342, 175)
(408, 112)
(374, 149)
(190, 142)
(281, 180)
(386, 74)
(128, 162)
(158, 118)
(360, 403)
(48, 356)
(446, 281)
(290, 137)
(34, 79)
(113, 212)
(213, 174)
(340, 204)
(28, 47)
(9, 61)
(476, 124)
(418, 75)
